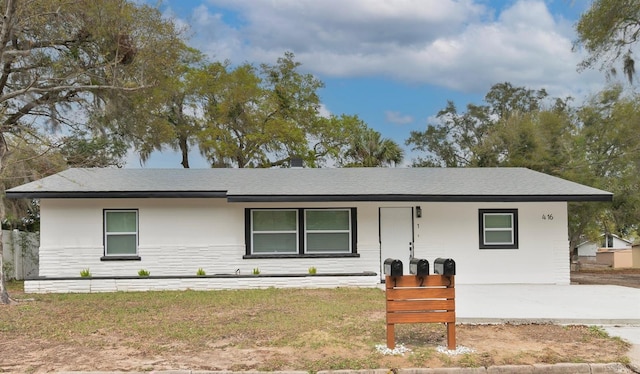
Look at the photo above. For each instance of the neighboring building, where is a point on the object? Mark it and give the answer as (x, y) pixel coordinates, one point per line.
(500, 225)
(587, 250)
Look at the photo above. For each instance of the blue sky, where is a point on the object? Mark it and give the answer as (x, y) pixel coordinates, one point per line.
(394, 63)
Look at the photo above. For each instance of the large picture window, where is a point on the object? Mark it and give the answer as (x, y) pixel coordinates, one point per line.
(300, 232)
(498, 228)
(120, 232)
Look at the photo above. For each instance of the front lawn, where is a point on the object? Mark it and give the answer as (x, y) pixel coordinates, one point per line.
(270, 329)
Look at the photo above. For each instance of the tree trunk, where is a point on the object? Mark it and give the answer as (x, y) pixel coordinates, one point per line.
(184, 148)
(4, 294)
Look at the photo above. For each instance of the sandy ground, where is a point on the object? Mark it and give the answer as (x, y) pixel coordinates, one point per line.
(492, 345)
(106, 350)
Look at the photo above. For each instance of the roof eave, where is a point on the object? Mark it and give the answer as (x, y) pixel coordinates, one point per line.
(425, 198)
(114, 194)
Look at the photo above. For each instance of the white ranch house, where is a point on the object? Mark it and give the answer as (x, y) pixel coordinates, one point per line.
(500, 225)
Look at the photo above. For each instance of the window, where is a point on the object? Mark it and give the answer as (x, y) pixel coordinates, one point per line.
(300, 232)
(498, 228)
(327, 231)
(275, 231)
(607, 241)
(120, 232)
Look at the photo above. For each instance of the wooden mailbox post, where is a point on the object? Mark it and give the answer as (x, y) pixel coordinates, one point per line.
(421, 299)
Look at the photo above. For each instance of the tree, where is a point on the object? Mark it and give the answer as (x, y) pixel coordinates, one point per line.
(461, 139)
(59, 58)
(331, 138)
(167, 114)
(259, 117)
(369, 149)
(610, 142)
(609, 30)
(83, 150)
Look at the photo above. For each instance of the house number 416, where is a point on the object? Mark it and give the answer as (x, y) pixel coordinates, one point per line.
(547, 217)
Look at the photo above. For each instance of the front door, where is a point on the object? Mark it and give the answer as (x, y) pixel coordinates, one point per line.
(396, 236)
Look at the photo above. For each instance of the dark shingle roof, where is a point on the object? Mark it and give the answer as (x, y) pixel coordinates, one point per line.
(299, 184)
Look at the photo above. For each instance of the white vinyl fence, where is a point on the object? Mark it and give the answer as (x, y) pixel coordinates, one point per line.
(20, 254)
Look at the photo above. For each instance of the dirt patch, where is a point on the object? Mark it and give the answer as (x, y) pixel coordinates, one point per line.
(492, 345)
(592, 274)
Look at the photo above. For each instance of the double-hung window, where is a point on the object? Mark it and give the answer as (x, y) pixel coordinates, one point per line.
(300, 232)
(327, 230)
(120, 233)
(498, 228)
(274, 231)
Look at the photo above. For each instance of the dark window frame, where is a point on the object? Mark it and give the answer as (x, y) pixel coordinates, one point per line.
(301, 230)
(120, 257)
(514, 228)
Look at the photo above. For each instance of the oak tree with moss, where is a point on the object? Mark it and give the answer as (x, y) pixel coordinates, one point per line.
(61, 60)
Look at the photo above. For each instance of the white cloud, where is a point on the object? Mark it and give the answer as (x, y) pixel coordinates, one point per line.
(397, 118)
(324, 111)
(457, 44)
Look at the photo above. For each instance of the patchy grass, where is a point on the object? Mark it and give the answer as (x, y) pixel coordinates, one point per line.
(269, 329)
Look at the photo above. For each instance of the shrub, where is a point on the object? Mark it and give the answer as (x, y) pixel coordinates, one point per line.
(201, 272)
(143, 273)
(313, 270)
(85, 273)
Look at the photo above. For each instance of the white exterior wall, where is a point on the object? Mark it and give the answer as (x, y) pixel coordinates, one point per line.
(178, 236)
(451, 230)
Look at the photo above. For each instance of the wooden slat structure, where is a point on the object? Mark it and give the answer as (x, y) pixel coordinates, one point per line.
(414, 299)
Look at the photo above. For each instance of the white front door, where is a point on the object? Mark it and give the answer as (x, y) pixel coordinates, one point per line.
(396, 236)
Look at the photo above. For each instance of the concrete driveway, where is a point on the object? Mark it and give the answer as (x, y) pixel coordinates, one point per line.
(572, 304)
(615, 308)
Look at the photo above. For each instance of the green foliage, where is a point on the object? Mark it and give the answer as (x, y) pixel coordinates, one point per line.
(265, 116)
(143, 273)
(598, 332)
(595, 144)
(472, 138)
(201, 272)
(313, 270)
(609, 30)
(255, 271)
(259, 117)
(85, 273)
(93, 151)
(367, 148)
(608, 130)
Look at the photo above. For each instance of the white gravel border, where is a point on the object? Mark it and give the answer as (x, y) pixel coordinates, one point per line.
(399, 350)
(460, 350)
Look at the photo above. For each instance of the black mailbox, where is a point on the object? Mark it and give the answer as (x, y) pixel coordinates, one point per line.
(393, 267)
(444, 266)
(419, 267)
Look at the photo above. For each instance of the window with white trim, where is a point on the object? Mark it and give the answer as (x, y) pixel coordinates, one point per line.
(498, 228)
(120, 232)
(313, 232)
